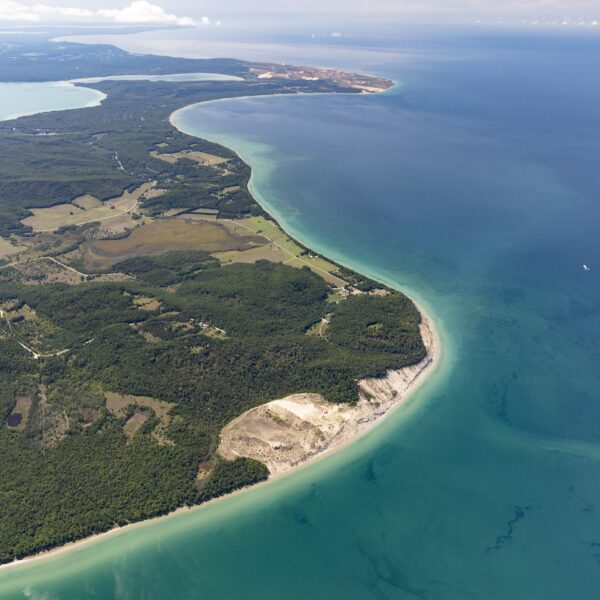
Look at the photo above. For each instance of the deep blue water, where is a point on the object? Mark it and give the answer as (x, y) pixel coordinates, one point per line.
(474, 186)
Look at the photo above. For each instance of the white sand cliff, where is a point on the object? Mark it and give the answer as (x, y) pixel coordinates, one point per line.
(285, 433)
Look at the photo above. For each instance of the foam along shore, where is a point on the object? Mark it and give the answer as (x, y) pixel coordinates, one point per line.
(288, 432)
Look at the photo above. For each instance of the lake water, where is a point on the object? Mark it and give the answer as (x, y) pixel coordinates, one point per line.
(474, 186)
(21, 99)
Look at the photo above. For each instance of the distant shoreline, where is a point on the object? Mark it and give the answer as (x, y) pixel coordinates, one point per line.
(429, 363)
(281, 94)
(101, 97)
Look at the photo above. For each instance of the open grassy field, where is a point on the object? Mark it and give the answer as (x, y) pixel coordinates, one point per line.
(134, 423)
(118, 403)
(40, 271)
(206, 212)
(268, 251)
(228, 190)
(280, 248)
(20, 413)
(85, 209)
(8, 249)
(273, 232)
(161, 236)
(87, 202)
(146, 303)
(202, 158)
(43, 270)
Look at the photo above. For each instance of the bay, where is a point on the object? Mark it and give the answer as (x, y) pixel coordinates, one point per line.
(22, 99)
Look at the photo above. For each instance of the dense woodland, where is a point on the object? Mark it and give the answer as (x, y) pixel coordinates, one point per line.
(53, 158)
(205, 341)
(90, 477)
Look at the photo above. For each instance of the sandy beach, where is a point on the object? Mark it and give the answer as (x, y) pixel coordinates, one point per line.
(360, 421)
(334, 426)
(288, 432)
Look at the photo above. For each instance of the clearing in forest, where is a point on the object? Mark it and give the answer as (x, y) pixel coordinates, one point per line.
(118, 404)
(202, 158)
(280, 248)
(7, 248)
(166, 235)
(85, 209)
(17, 419)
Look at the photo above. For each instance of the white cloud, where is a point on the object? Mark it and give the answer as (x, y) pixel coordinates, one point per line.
(43, 10)
(142, 11)
(139, 11)
(13, 11)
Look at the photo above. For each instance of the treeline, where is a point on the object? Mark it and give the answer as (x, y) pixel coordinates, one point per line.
(89, 477)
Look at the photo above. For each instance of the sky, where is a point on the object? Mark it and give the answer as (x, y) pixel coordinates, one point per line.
(206, 13)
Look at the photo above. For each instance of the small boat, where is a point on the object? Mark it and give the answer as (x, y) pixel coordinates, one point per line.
(586, 268)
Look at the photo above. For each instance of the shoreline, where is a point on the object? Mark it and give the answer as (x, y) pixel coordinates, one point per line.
(430, 363)
(65, 84)
(433, 357)
(279, 94)
(378, 397)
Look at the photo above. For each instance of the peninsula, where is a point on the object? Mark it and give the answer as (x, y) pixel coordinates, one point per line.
(162, 340)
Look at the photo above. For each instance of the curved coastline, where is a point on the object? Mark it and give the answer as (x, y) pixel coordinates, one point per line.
(430, 365)
(404, 401)
(100, 97)
(187, 107)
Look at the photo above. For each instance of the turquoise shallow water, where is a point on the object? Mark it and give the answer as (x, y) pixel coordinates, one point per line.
(20, 99)
(474, 186)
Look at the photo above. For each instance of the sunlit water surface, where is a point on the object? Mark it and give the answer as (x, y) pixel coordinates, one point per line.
(21, 99)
